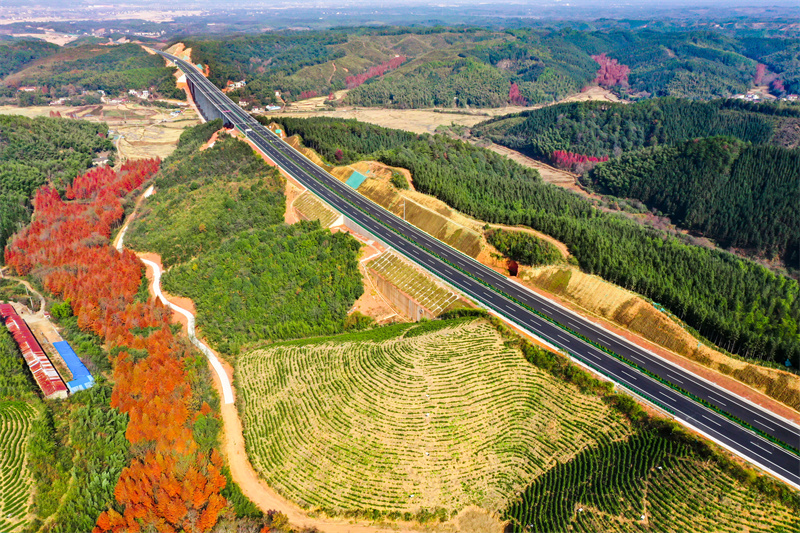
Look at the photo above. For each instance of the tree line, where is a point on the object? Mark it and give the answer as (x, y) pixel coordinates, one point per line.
(601, 129)
(734, 302)
(740, 195)
(40, 150)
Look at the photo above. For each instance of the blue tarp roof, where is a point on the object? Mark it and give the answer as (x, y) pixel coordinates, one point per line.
(81, 377)
(356, 179)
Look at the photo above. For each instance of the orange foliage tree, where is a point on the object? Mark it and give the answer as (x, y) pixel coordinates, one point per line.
(169, 484)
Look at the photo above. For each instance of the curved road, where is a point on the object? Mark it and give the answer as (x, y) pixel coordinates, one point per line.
(536, 314)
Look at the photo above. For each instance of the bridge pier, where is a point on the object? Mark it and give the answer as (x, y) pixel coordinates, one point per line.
(206, 106)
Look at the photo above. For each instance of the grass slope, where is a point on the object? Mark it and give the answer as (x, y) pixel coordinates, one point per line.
(16, 419)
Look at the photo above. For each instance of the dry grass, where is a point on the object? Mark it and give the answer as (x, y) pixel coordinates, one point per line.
(139, 131)
(635, 314)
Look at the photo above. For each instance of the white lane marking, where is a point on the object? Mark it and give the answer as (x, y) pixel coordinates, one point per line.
(629, 374)
(716, 400)
(712, 421)
(757, 446)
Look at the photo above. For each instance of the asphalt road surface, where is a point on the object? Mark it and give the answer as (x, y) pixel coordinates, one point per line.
(526, 309)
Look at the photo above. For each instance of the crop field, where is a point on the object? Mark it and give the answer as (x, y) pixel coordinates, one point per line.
(645, 483)
(15, 483)
(438, 415)
(420, 287)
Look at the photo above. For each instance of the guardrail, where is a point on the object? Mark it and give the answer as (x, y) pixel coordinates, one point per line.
(572, 332)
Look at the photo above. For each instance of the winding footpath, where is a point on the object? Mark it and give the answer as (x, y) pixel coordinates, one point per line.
(242, 471)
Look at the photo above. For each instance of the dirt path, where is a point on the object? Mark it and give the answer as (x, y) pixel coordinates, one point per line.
(40, 312)
(233, 438)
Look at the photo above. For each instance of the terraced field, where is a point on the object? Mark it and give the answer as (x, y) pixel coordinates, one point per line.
(313, 209)
(646, 483)
(15, 483)
(438, 415)
(431, 295)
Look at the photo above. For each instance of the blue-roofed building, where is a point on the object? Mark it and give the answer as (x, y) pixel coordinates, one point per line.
(82, 379)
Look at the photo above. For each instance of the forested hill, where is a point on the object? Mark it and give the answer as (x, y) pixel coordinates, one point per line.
(734, 302)
(36, 151)
(738, 194)
(15, 55)
(113, 69)
(601, 129)
(481, 67)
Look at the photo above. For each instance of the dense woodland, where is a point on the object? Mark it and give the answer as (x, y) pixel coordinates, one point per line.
(487, 68)
(15, 55)
(604, 129)
(113, 69)
(740, 195)
(734, 302)
(38, 151)
(523, 247)
(275, 283)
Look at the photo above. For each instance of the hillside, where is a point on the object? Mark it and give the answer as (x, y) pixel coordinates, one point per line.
(112, 69)
(740, 195)
(602, 129)
(412, 422)
(37, 151)
(714, 292)
(216, 218)
(477, 67)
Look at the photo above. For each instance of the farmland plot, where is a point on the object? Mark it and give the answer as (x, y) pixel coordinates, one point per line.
(443, 415)
(645, 483)
(15, 483)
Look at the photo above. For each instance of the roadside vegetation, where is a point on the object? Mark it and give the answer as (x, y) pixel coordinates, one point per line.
(737, 304)
(523, 247)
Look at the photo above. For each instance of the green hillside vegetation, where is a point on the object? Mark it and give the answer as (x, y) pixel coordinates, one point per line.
(38, 151)
(740, 195)
(15, 55)
(605, 129)
(16, 382)
(734, 302)
(217, 220)
(113, 69)
(279, 282)
(476, 67)
(523, 247)
(206, 197)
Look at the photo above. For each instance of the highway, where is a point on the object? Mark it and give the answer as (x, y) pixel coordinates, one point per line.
(527, 309)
